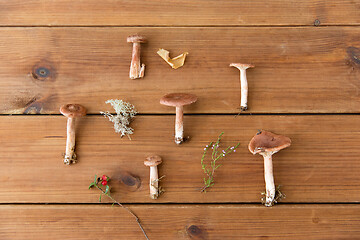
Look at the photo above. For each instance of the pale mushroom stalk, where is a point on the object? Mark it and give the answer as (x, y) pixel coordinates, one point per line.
(154, 182)
(244, 89)
(179, 126)
(243, 84)
(269, 179)
(153, 162)
(136, 68)
(70, 141)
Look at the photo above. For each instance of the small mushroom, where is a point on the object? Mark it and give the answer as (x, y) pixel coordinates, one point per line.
(152, 162)
(178, 100)
(266, 144)
(71, 111)
(136, 69)
(243, 82)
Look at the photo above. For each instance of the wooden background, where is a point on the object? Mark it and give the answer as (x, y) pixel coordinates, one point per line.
(306, 85)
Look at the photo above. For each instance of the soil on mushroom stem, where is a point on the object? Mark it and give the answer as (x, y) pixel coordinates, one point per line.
(278, 196)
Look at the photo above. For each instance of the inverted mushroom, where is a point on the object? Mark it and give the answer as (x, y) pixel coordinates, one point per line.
(266, 144)
(136, 69)
(243, 83)
(71, 111)
(178, 100)
(153, 162)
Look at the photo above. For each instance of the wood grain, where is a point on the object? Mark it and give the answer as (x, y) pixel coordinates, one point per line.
(57, 52)
(298, 70)
(179, 13)
(322, 165)
(180, 222)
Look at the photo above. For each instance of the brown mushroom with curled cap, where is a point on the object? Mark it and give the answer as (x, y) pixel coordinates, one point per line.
(178, 100)
(153, 162)
(71, 111)
(137, 69)
(266, 144)
(243, 83)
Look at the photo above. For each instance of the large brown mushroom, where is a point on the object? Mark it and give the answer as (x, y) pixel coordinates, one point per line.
(266, 144)
(178, 100)
(71, 111)
(136, 68)
(153, 162)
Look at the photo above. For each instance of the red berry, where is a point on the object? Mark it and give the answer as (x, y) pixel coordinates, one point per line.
(104, 182)
(104, 177)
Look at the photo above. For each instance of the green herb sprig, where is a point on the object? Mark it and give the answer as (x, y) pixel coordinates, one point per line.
(215, 156)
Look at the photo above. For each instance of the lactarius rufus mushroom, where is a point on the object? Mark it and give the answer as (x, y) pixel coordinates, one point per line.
(243, 83)
(266, 144)
(178, 100)
(71, 111)
(153, 162)
(136, 69)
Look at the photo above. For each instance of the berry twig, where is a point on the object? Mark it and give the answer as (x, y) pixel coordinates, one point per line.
(104, 181)
(215, 156)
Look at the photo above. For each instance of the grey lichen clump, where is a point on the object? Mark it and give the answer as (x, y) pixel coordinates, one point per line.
(125, 112)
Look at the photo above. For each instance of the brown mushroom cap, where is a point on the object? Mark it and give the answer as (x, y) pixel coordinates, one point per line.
(178, 99)
(242, 66)
(73, 110)
(265, 141)
(136, 39)
(153, 161)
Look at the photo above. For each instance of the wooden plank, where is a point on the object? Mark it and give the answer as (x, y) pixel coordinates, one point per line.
(322, 165)
(297, 69)
(179, 13)
(180, 222)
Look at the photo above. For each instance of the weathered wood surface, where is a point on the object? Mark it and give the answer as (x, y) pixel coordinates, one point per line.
(177, 13)
(322, 165)
(298, 70)
(180, 222)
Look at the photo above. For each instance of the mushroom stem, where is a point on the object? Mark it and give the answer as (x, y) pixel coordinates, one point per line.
(70, 156)
(244, 89)
(243, 83)
(154, 182)
(179, 127)
(136, 69)
(269, 179)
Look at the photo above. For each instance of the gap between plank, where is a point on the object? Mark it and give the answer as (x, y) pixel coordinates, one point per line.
(198, 114)
(178, 26)
(191, 204)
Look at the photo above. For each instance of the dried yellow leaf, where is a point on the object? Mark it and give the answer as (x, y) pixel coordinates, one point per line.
(175, 62)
